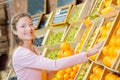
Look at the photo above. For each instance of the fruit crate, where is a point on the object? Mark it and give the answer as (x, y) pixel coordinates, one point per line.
(115, 4)
(74, 13)
(54, 35)
(39, 36)
(96, 72)
(83, 32)
(110, 75)
(93, 14)
(107, 11)
(92, 35)
(71, 33)
(83, 71)
(109, 54)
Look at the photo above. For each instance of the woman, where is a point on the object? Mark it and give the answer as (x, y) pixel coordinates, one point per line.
(27, 64)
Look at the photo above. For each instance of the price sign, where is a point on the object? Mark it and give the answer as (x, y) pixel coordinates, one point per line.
(60, 15)
(36, 20)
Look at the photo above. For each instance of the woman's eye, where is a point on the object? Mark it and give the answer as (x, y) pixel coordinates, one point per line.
(22, 26)
(31, 24)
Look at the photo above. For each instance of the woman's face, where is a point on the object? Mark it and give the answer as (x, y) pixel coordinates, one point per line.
(25, 29)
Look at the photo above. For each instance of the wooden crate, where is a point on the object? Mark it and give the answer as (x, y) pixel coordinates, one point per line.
(84, 31)
(72, 32)
(95, 68)
(111, 13)
(74, 13)
(85, 67)
(88, 5)
(92, 35)
(111, 73)
(106, 42)
(56, 31)
(115, 5)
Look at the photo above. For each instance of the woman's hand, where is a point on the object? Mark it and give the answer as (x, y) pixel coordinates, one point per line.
(95, 49)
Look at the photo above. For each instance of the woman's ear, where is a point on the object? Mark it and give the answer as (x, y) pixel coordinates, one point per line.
(14, 32)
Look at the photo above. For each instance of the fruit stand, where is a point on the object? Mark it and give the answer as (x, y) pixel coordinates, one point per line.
(75, 34)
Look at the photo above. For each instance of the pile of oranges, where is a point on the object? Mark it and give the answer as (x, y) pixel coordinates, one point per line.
(68, 73)
(110, 51)
(83, 39)
(111, 76)
(97, 72)
(103, 33)
(65, 50)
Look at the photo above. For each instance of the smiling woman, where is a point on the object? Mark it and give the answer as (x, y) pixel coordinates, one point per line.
(26, 59)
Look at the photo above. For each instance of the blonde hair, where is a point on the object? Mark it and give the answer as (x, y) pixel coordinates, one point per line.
(15, 40)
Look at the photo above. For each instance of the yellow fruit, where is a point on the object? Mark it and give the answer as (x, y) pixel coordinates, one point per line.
(117, 42)
(118, 33)
(111, 50)
(107, 10)
(105, 50)
(62, 72)
(66, 76)
(67, 53)
(93, 57)
(108, 25)
(59, 77)
(102, 28)
(112, 41)
(118, 78)
(75, 68)
(107, 60)
(72, 74)
(65, 46)
(68, 70)
(118, 2)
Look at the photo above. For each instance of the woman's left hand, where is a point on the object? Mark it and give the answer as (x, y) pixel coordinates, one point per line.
(95, 49)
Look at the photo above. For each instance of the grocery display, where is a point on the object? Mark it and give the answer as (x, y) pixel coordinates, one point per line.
(63, 27)
(93, 29)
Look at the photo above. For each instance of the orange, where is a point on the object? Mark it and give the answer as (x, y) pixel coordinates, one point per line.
(72, 74)
(59, 77)
(118, 33)
(93, 57)
(107, 60)
(111, 51)
(118, 78)
(67, 53)
(108, 25)
(66, 76)
(92, 76)
(75, 68)
(98, 72)
(70, 79)
(105, 50)
(104, 34)
(68, 70)
(117, 42)
(118, 2)
(112, 41)
(116, 51)
(62, 72)
(65, 46)
(102, 28)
